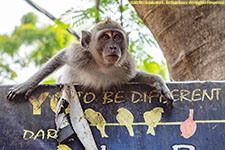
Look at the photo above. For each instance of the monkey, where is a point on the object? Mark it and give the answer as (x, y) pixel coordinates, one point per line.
(100, 60)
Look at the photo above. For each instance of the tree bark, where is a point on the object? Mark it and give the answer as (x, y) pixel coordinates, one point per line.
(192, 38)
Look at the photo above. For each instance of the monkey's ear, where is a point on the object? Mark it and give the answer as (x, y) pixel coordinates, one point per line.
(86, 38)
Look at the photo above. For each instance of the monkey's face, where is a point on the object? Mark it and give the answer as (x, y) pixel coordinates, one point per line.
(110, 46)
(107, 46)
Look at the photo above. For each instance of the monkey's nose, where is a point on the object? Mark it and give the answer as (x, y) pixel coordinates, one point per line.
(112, 47)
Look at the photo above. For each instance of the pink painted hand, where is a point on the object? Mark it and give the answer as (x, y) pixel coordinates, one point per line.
(188, 127)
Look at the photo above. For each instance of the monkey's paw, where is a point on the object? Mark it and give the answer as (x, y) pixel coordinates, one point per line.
(21, 89)
(164, 90)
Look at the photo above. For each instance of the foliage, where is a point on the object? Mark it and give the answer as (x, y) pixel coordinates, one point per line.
(29, 18)
(50, 80)
(44, 43)
(140, 37)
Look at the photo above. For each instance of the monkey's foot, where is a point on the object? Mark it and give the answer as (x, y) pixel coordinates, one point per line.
(169, 104)
(164, 90)
(19, 90)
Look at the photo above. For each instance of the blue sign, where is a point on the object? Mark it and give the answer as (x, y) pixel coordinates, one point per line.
(132, 117)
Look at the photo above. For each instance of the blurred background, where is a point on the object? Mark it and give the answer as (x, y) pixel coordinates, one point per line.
(28, 38)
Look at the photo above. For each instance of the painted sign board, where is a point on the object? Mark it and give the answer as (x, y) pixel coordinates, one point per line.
(133, 117)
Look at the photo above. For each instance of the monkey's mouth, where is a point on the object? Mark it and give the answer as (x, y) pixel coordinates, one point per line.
(112, 58)
(113, 55)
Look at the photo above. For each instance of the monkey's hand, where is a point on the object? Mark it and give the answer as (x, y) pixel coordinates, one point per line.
(158, 83)
(21, 89)
(162, 88)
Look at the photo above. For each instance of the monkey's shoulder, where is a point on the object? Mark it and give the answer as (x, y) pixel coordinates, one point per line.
(77, 56)
(74, 49)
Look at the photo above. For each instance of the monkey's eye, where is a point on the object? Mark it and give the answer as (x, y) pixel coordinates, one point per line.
(105, 37)
(117, 38)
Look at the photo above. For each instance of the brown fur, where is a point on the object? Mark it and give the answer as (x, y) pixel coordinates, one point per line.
(86, 67)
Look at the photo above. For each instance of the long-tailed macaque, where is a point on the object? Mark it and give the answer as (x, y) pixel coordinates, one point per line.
(101, 60)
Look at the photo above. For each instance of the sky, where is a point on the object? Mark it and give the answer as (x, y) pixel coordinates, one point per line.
(11, 12)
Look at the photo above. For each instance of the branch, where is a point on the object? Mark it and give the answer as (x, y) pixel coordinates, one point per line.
(121, 11)
(49, 15)
(97, 8)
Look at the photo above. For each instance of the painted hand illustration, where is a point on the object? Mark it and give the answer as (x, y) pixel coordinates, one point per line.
(152, 118)
(188, 127)
(96, 119)
(126, 118)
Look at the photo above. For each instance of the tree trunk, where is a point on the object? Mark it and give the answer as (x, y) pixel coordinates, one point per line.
(192, 38)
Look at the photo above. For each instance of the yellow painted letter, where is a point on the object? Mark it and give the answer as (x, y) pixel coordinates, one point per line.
(91, 100)
(175, 95)
(205, 94)
(36, 103)
(133, 96)
(106, 98)
(195, 94)
(51, 133)
(117, 97)
(54, 100)
(154, 94)
(182, 95)
(40, 133)
(27, 137)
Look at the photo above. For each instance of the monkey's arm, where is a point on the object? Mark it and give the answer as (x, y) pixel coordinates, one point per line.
(28, 86)
(157, 82)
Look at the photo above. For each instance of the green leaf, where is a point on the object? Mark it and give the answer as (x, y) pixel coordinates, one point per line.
(13, 75)
(49, 81)
(61, 24)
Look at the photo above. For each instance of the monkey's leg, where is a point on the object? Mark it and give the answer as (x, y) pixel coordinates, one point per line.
(157, 82)
(28, 86)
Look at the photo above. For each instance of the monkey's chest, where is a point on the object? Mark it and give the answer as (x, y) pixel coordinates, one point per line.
(97, 80)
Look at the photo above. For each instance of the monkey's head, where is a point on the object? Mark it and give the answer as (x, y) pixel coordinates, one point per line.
(107, 42)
